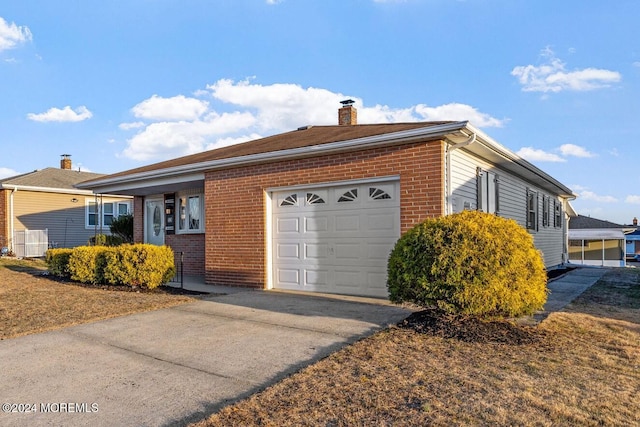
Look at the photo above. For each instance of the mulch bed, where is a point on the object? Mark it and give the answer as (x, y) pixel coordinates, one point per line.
(471, 329)
(164, 289)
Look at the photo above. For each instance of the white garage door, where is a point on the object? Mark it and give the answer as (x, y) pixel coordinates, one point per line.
(335, 239)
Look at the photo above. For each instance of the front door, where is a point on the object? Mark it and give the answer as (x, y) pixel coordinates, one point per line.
(154, 222)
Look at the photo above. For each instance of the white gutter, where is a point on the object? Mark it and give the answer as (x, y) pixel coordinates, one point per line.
(46, 189)
(11, 224)
(313, 150)
(448, 150)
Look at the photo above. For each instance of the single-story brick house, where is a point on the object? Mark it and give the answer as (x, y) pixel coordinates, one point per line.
(319, 208)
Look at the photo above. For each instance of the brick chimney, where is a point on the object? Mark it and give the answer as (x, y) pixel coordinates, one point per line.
(65, 161)
(347, 115)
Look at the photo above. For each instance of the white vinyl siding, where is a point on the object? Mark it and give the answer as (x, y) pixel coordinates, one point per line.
(512, 201)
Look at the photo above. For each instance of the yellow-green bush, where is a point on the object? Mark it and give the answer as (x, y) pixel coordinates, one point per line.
(139, 265)
(58, 261)
(87, 264)
(468, 263)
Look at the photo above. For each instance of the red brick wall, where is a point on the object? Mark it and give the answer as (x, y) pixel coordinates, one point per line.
(236, 200)
(138, 219)
(193, 247)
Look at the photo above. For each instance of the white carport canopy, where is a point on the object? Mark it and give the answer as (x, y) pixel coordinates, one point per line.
(608, 255)
(596, 234)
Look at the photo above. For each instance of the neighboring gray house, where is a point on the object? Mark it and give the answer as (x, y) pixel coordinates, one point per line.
(597, 242)
(43, 209)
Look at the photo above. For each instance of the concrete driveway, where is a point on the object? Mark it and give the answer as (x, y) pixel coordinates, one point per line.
(174, 366)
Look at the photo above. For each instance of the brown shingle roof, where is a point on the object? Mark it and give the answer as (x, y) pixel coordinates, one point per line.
(303, 137)
(51, 178)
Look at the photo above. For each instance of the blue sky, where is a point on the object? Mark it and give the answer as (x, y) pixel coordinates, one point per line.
(123, 83)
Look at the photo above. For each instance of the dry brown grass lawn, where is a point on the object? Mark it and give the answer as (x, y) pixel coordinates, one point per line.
(31, 302)
(579, 367)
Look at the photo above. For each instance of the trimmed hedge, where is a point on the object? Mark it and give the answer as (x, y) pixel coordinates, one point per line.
(469, 263)
(133, 265)
(139, 265)
(58, 261)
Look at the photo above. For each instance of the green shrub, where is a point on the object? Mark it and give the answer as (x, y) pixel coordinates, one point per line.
(105, 240)
(139, 265)
(87, 264)
(58, 261)
(468, 263)
(122, 228)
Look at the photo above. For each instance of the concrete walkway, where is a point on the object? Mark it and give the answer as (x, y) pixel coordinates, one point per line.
(567, 287)
(176, 365)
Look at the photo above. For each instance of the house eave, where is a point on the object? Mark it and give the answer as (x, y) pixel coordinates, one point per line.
(6, 186)
(145, 183)
(129, 182)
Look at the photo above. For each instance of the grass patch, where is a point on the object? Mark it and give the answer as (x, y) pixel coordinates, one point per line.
(579, 367)
(31, 302)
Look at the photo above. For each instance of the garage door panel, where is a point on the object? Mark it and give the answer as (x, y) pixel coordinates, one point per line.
(288, 251)
(347, 222)
(348, 279)
(316, 224)
(379, 251)
(288, 277)
(382, 222)
(288, 225)
(317, 280)
(316, 251)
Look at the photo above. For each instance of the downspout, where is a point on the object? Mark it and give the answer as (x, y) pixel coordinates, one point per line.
(11, 224)
(565, 226)
(449, 149)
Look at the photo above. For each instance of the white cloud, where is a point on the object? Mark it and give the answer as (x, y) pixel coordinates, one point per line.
(131, 125)
(551, 76)
(174, 139)
(12, 35)
(636, 64)
(633, 199)
(537, 155)
(575, 150)
(65, 114)
(585, 194)
(7, 172)
(456, 111)
(179, 125)
(175, 108)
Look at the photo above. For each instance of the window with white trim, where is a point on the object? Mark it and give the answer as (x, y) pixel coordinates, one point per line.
(190, 211)
(101, 215)
(488, 191)
(532, 209)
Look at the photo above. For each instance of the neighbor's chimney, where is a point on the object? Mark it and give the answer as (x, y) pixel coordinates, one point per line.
(347, 115)
(635, 221)
(65, 162)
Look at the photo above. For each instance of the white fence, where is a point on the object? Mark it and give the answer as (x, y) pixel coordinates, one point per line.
(30, 243)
